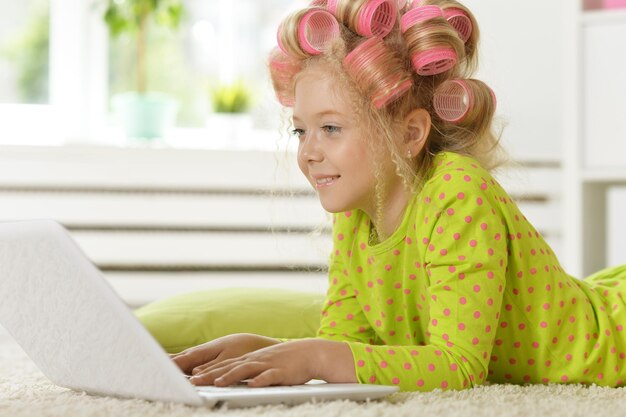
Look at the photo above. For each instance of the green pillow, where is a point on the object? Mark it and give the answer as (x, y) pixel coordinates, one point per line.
(187, 320)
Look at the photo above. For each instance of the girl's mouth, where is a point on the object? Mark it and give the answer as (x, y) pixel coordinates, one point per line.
(326, 182)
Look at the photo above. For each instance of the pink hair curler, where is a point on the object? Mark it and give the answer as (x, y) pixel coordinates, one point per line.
(418, 15)
(459, 21)
(395, 91)
(318, 3)
(331, 5)
(434, 61)
(453, 100)
(374, 49)
(315, 29)
(283, 69)
(377, 17)
(363, 53)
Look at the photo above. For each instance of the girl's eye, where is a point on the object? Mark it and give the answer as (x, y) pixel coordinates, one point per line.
(297, 132)
(331, 129)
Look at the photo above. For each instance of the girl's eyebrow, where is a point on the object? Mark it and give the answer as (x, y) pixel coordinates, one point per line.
(322, 113)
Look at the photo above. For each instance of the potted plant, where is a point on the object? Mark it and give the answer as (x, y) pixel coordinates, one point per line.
(230, 117)
(143, 113)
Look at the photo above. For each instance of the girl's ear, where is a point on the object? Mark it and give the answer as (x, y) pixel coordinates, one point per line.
(417, 127)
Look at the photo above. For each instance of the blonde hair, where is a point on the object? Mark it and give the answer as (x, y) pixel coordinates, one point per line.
(473, 136)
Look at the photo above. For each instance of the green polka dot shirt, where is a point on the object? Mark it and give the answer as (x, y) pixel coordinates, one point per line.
(466, 290)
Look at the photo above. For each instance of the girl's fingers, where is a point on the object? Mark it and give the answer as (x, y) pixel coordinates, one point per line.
(266, 378)
(238, 373)
(207, 366)
(208, 377)
(189, 360)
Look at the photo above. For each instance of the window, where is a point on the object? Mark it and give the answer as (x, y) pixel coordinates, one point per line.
(73, 69)
(219, 42)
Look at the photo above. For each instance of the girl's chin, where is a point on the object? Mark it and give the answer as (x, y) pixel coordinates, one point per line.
(334, 208)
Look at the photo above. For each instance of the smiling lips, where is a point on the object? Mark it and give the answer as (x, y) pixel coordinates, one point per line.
(325, 181)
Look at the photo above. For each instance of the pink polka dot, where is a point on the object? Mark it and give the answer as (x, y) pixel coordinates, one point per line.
(442, 196)
(431, 367)
(395, 381)
(461, 326)
(483, 226)
(372, 379)
(476, 314)
(361, 363)
(460, 196)
(468, 219)
(407, 366)
(543, 324)
(479, 201)
(454, 367)
(450, 211)
(447, 177)
(462, 300)
(383, 364)
(472, 243)
(467, 178)
(444, 384)
(456, 236)
(340, 236)
(420, 383)
(446, 312)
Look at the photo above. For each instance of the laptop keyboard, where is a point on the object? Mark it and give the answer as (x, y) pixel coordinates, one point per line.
(274, 389)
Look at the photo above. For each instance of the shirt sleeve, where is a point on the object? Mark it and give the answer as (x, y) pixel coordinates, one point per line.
(465, 263)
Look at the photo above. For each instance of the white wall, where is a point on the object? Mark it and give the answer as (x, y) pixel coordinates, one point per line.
(521, 59)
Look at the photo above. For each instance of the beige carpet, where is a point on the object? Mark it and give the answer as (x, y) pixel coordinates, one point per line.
(25, 392)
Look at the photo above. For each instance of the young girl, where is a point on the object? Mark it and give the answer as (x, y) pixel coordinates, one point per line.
(436, 280)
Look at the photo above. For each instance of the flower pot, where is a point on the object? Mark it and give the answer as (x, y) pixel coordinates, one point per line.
(145, 116)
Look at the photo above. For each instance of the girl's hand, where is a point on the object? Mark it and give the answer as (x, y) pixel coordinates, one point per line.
(196, 359)
(291, 363)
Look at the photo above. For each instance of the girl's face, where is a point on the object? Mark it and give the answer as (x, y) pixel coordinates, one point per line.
(332, 153)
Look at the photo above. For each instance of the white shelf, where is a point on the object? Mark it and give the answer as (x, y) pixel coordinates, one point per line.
(594, 87)
(603, 17)
(605, 176)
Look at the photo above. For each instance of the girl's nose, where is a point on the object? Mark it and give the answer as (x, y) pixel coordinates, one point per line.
(310, 149)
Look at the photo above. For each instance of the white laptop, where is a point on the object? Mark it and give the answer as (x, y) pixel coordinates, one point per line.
(59, 307)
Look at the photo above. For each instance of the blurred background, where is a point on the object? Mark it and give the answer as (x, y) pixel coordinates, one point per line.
(149, 129)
